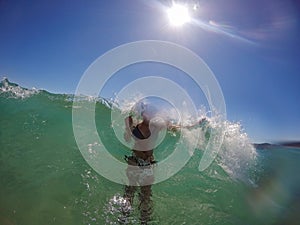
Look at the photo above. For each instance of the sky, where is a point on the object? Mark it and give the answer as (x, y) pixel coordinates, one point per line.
(252, 47)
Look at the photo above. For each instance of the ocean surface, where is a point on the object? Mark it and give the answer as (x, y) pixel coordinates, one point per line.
(44, 179)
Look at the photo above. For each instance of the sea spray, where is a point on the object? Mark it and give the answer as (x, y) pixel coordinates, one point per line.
(44, 178)
(236, 156)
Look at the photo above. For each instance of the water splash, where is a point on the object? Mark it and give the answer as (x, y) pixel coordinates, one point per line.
(117, 211)
(15, 91)
(237, 155)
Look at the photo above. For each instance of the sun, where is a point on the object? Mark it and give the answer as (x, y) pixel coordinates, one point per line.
(178, 15)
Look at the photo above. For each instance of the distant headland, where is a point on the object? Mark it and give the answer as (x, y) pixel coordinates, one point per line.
(295, 144)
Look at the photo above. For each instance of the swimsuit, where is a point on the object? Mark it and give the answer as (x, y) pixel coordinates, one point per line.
(141, 171)
(134, 159)
(138, 134)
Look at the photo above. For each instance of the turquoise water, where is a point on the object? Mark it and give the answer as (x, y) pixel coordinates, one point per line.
(45, 180)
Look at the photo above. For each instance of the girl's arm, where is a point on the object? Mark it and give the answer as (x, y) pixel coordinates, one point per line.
(128, 128)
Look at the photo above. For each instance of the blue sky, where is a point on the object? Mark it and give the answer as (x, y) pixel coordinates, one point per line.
(251, 46)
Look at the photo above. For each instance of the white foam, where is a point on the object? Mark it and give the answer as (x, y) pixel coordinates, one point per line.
(118, 210)
(237, 155)
(16, 91)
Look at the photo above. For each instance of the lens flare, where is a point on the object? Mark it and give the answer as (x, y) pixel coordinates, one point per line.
(178, 15)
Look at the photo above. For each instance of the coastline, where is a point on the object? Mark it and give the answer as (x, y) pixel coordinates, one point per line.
(292, 144)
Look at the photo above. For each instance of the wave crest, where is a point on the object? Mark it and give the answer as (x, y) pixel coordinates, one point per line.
(12, 90)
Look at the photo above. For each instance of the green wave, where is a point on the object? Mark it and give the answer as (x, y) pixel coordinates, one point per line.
(45, 180)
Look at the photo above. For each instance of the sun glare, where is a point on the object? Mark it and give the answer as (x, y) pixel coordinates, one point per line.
(178, 15)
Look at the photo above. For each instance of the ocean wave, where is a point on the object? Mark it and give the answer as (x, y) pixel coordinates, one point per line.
(237, 155)
(12, 90)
